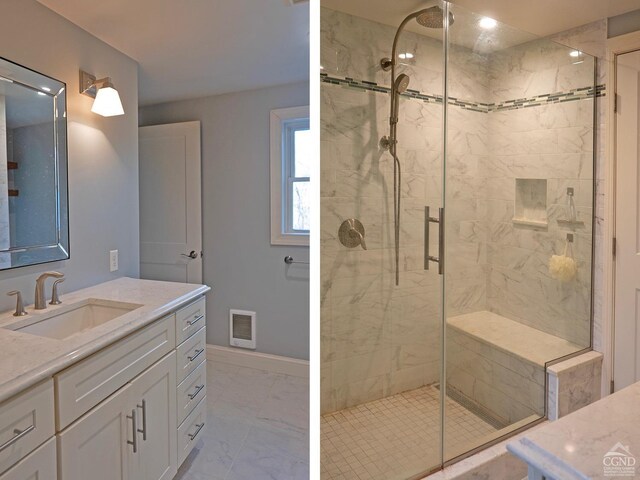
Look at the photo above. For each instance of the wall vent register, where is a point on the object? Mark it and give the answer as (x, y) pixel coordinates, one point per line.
(242, 329)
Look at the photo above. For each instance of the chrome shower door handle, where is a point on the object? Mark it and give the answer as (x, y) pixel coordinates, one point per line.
(192, 254)
(428, 220)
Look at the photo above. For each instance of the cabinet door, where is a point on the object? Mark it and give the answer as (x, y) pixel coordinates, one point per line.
(39, 465)
(153, 394)
(95, 446)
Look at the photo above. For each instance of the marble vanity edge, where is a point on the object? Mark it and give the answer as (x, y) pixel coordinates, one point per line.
(58, 363)
(543, 461)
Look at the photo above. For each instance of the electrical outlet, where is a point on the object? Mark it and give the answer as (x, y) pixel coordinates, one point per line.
(113, 260)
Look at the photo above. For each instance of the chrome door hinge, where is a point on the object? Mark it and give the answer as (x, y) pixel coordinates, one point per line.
(614, 246)
(615, 102)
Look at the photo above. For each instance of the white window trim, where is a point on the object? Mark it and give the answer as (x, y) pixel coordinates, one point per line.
(278, 237)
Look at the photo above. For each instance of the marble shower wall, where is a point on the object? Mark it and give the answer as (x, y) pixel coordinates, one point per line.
(379, 339)
(591, 39)
(552, 142)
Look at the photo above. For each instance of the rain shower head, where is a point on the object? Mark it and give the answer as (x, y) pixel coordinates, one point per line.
(433, 17)
(402, 83)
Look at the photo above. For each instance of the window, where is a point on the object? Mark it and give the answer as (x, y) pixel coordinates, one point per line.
(290, 176)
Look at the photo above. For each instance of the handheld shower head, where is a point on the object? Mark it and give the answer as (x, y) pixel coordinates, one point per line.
(402, 83)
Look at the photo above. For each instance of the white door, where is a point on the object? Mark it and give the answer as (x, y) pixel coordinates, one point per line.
(154, 395)
(170, 203)
(627, 296)
(96, 446)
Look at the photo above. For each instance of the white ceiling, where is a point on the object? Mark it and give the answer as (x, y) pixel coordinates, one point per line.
(540, 17)
(193, 48)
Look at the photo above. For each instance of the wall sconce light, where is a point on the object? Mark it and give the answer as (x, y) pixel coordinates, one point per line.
(107, 101)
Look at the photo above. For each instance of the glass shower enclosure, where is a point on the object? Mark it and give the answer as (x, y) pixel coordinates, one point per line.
(456, 231)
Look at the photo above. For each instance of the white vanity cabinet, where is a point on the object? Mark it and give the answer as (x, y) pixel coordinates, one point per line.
(38, 465)
(132, 410)
(97, 444)
(131, 435)
(191, 370)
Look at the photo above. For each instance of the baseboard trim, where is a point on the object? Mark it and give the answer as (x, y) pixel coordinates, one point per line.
(261, 361)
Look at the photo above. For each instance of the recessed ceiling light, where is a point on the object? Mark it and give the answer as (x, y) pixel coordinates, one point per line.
(406, 55)
(487, 23)
(575, 53)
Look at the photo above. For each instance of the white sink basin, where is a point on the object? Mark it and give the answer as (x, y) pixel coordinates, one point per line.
(72, 319)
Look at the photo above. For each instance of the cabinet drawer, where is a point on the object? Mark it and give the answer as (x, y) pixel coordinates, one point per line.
(191, 353)
(191, 391)
(189, 320)
(40, 465)
(26, 421)
(87, 383)
(191, 430)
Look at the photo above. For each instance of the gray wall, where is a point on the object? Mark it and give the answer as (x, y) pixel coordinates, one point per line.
(622, 24)
(103, 152)
(241, 265)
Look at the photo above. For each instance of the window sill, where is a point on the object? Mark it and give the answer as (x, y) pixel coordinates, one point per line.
(293, 240)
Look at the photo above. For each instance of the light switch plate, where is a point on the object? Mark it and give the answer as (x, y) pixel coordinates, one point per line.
(113, 260)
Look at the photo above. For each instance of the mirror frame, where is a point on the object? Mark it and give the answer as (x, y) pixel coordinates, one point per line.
(22, 256)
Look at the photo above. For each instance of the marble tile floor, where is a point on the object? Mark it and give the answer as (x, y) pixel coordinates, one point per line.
(394, 438)
(257, 427)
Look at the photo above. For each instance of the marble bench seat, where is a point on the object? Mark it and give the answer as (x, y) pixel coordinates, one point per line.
(498, 364)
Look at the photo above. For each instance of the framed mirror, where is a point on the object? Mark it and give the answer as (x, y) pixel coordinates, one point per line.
(34, 217)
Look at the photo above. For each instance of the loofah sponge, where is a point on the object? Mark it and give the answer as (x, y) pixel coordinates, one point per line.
(563, 268)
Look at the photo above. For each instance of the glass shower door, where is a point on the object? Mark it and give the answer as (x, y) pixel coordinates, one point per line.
(381, 340)
(519, 197)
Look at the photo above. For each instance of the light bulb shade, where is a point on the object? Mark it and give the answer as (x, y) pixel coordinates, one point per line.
(107, 102)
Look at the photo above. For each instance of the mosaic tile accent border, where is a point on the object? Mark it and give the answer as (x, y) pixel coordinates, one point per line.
(538, 100)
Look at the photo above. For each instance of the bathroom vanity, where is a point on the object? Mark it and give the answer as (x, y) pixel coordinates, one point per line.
(598, 441)
(111, 384)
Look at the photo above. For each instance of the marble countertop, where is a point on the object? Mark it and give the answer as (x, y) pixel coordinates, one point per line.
(26, 359)
(575, 446)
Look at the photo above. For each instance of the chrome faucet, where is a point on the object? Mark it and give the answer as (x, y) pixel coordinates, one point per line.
(41, 302)
(20, 311)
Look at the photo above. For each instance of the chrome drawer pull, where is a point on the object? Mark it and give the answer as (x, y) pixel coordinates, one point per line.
(195, 320)
(133, 442)
(198, 352)
(18, 435)
(195, 394)
(143, 431)
(194, 435)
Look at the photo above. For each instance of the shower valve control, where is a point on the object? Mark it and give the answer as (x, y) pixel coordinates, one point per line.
(351, 233)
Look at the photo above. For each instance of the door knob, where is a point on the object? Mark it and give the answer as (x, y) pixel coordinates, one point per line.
(191, 254)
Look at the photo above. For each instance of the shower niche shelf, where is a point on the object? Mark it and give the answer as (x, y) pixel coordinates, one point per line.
(531, 203)
(570, 223)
